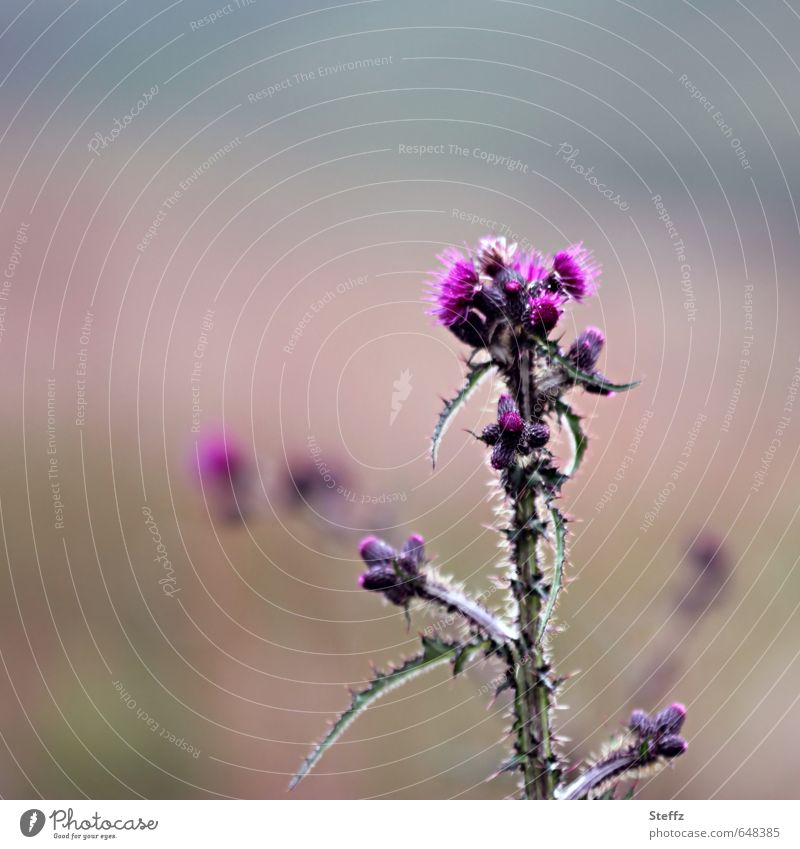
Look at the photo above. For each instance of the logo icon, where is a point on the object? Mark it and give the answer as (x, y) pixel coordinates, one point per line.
(401, 389)
(31, 822)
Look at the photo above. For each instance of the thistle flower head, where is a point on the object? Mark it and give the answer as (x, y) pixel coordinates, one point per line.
(544, 312)
(453, 289)
(532, 267)
(575, 272)
(512, 435)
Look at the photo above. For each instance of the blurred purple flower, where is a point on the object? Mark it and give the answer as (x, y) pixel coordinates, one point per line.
(224, 474)
(710, 567)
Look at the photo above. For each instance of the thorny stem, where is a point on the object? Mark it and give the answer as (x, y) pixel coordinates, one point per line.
(475, 614)
(533, 683)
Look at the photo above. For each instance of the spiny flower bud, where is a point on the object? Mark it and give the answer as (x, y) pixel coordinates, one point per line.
(658, 735)
(575, 272)
(378, 579)
(375, 551)
(647, 747)
(544, 312)
(640, 723)
(535, 436)
(512, 435)
(670, 720)
(391, 572)
(585, 350)
(671, 746)
(413, 552)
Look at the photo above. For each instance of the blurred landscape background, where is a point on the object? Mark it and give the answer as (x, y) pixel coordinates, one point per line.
(220, 219)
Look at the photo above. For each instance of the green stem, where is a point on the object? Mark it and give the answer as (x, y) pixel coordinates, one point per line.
(533, 703)
(532, 674)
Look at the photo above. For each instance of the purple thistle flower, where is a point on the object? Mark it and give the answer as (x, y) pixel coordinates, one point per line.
(531, 267)
(576, 272)
(512, 435)
(585, 350)
(453, 288)
(544, 312)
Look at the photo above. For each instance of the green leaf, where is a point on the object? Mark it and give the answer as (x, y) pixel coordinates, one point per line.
(467, 652)
(559, 532)
(475, 375)
(584, 377)
(434, 653)
(571, 421)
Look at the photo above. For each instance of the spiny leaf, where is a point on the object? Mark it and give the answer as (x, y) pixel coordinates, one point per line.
(584, 377)
(441, 592)
(475, 375)
(571, 421)
(559, 531)
(434, 653)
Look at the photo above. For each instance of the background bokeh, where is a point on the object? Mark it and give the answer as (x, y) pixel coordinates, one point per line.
(247, 253)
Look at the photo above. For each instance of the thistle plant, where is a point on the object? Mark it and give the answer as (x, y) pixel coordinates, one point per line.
(506, 305)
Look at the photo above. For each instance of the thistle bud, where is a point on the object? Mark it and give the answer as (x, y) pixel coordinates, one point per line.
(585, 350)
(544, 312)
(378, 579)
(640, 723)
(413, 553)
(671, 746)
(535, 436)
(491, 433)
(670, 720)
(375, 551)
